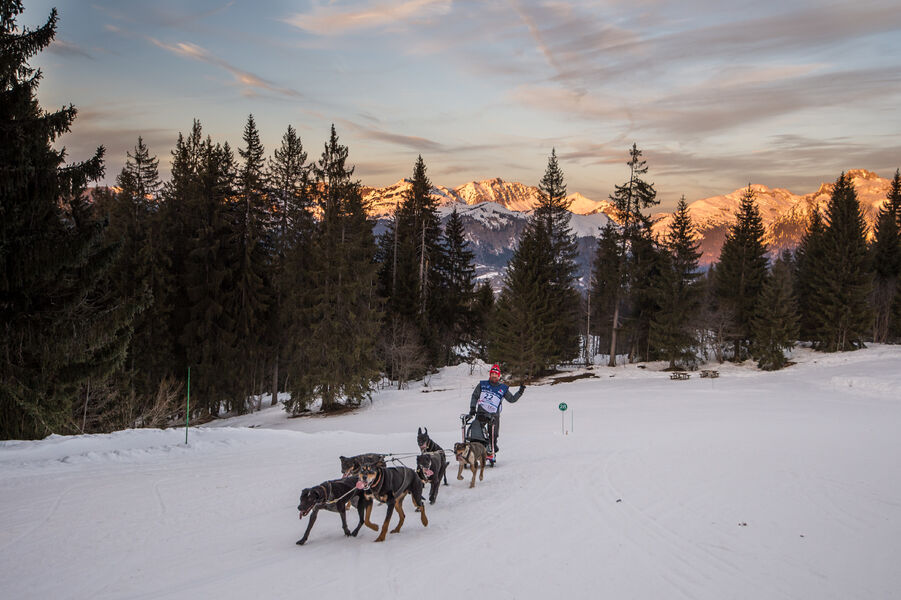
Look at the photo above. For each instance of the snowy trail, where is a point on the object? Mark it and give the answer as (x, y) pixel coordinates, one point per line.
(753, 485)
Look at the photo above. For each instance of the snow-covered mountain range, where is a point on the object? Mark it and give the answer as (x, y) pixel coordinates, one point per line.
(785, 215)
(513, 196)
(494, 213)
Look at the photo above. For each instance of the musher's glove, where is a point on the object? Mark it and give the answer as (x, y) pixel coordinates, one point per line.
(522, 388)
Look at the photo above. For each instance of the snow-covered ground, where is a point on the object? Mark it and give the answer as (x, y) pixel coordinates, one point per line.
(753, 485)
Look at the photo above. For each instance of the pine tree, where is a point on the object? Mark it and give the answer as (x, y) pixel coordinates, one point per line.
(249, 292)
(176, 225)
(131, 212)
(843, 280)
(209, 336)
(638, 261)
(606, 282)
(553, 210)
(521, 331)
(413, 260)
(808, 258)
(886, 260)
(482, 312)
(458, 277)
(647, 266)
(775, 320)
(343, 314)
(292, 230)
(678, 294)
(60, 327)
(741, 271)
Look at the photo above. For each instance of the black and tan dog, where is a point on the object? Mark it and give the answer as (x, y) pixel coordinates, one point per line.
(333, 495)
(427, 444)
(431, 467)
(473, 454)
(391, 485)
(350, 467)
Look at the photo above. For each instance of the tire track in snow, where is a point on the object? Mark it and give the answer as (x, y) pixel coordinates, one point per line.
(50, 513)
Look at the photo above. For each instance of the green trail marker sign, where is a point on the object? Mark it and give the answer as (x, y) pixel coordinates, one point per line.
(562, 406)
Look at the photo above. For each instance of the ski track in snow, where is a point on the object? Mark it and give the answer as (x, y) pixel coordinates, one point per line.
(754, 485)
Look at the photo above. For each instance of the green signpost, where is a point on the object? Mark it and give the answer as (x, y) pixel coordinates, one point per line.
(562, 406)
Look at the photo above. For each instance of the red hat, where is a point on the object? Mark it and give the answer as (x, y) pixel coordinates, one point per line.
(495, 369)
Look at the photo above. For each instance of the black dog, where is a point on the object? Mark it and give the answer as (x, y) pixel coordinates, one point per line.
(431, 467)
(390, 485)
(332, 495)
(427, 444)
(350, 467)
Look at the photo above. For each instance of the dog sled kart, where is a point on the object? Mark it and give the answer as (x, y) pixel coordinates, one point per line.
(480, 429)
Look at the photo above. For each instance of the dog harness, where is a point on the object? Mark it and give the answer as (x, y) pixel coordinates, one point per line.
(491, 397)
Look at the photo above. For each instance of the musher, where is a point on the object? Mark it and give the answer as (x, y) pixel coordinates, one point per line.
(487, 401)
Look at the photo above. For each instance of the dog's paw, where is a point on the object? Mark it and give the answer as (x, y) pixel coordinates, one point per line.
(431, 502)
(460, 477)
(301, 542)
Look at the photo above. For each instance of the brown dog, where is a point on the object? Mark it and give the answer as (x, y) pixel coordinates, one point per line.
(473, 454)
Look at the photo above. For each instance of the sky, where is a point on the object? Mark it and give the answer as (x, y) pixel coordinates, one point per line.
(716, 94)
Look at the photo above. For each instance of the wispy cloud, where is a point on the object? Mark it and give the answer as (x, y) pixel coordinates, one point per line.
(247, 80)
(332, 20)
(415, 143)
(63, 48)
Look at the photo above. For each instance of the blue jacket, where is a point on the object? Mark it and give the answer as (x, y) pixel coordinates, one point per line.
(489, 398)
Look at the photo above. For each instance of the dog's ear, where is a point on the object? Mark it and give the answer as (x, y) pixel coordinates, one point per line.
(427, 431)
(419, 431)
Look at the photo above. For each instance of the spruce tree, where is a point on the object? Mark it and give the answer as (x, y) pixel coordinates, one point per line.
(842, 276)
(210, 336)
(343, 311)
(412, 257)
(886, 260)
(292, 230)
(606, 282)
(249, 292)
(775, 320)
(522, 327)
(131, 212)
(631, 299)
(176, 224)
(553, 210)
(458, 276)
(197, 233)
(741, 271)
(482, 314)
(61, 328)
(808, 259)
(678, 293)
